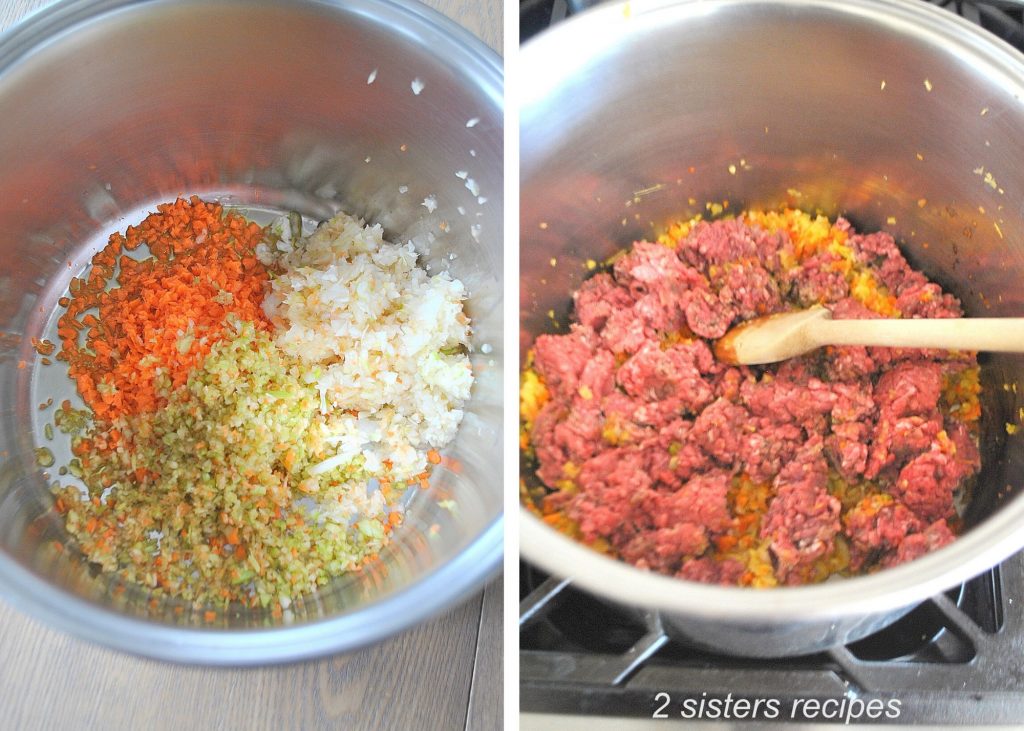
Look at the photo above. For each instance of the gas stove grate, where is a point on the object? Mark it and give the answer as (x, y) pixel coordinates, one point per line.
(954, 659)
(1004, 18)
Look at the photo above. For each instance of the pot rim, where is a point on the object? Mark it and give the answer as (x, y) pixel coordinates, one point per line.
(478, 59)
(435, 591)
(891, 589)
(442, 587)
(978, 550)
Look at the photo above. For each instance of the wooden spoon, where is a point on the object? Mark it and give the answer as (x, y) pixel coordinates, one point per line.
(789, 334)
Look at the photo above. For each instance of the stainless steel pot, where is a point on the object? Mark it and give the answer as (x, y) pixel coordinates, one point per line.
(899, 115)
(110, 107)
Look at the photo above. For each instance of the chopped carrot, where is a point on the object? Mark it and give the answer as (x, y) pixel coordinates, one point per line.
(132, 337)
(453, 465)
(725, 542)
(433, 457)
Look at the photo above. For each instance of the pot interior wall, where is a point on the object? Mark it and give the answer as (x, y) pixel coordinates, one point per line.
(849, 109)
(264, 106)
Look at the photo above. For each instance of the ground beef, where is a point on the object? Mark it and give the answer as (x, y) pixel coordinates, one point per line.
(819, 280)
(654, 374)
(661, 454)
(597, 379)
(606, 507)
(880, 252)
(896, 440)
(765, 446)
(673, 455)
(933, 537)
(707, 315)
(650, 444)
(680, 522)
(719, 429)
(658, 312)
(562, 437)
(713, 571)
(714, 244)
(729, 381)
(597, 298)
(877, 531)
(908, 420)
(802, 519)
(664, 549)
(927, 300)
(853, 403)
(625, 332)
(852, 309)
(965, 448)
(700, 500)
(560, 359)
(848, 447)
(653, 267)
(578, 435)
(620, 410)
(848, 363)
(909, 388)
(629, 420)
(786, 401)
(926, 484)
(748, 289)
(551, 457)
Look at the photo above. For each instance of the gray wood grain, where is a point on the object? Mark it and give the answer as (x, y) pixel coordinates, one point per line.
(486, 699)
(445, 674)
(11, 11)
(482, 17)
(420, 679)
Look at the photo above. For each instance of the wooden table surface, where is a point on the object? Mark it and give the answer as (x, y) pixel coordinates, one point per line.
(445, 674)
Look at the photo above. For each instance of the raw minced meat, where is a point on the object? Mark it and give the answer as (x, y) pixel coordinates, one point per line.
(842, 461)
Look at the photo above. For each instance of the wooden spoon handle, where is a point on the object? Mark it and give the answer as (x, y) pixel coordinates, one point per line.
(1002, 335)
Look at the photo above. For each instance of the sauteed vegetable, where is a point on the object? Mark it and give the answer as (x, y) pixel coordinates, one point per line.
(258, 400)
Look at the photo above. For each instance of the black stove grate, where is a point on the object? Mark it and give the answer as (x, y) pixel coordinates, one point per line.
(1004, 18)
(955, 659)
